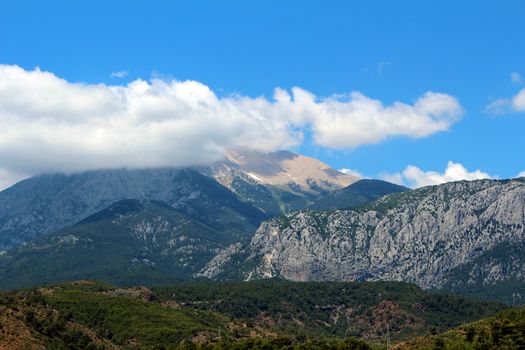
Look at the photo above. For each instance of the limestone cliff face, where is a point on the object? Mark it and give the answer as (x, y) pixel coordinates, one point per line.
(419, 236)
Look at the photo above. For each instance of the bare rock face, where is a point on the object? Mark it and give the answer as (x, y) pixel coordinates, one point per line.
(284, 167)
(276, 182)
(420, 236)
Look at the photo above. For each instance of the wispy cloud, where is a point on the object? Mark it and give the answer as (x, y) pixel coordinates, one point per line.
(119, 74)
(513, 104)
(381, 67)
(352, 172)
(516, 78)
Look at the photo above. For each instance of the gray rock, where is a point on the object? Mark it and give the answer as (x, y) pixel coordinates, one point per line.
(418, 236)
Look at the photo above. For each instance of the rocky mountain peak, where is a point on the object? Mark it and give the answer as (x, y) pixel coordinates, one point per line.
(286, 169)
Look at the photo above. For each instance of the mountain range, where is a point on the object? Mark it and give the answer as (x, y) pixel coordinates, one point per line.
(263, 215)
(460, 236)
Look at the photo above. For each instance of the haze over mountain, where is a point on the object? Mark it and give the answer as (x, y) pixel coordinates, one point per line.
(130, 242)
(45, 203)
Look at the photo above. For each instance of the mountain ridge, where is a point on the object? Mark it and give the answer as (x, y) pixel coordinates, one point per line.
(45, 203)
(418, 236)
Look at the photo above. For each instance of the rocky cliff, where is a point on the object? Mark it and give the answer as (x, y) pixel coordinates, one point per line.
(421, 236)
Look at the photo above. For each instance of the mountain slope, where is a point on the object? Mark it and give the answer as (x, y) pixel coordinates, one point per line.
(497, 274)
(359, 193)
(322, 309)
(276, 182)
(46, 203)
(287, 169)
(418, 236)
(131, 242)
(87, 315)
(506, 330)
(259, 315)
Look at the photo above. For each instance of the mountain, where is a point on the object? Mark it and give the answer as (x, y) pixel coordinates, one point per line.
(287, 169)
(258, 315)
(422, 236)
(497, 274)
(130, 242)
(359, 193)
(276, 182)
(46, 203)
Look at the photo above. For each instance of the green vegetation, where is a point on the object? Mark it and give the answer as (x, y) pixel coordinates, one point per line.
(91, 315)
(357, 194)
(468, 279)
(326, 309)
(267, 315)
(131, 242)
(504, 331)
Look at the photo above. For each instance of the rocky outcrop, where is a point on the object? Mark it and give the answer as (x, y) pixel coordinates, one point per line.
(419, 236)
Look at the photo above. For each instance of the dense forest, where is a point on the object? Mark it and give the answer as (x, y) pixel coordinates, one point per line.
(272, 314)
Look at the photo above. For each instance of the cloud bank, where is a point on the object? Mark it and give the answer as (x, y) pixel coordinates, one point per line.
(48, 124)
(414, 177)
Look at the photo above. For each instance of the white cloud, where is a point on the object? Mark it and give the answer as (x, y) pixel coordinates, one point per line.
(516, 78)
(352, 172)
(522, 174)
(50, 124)
(119, 74)
(356, 120)
(508, 105)
(518, 101)
(414, 177)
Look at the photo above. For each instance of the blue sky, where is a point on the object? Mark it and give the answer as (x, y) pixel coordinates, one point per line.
(387, 50)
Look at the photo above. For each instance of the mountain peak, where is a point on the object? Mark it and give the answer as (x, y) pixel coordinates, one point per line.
(282, 168)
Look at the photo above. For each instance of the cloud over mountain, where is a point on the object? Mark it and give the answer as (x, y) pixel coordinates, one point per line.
(50, 124)
(414, 177)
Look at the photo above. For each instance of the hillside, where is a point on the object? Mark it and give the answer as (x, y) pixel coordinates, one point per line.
(46, 203)
(422, 236)
(328, 309)
(260, 315)
(503, 331)
(130, 242)
(359, 193)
